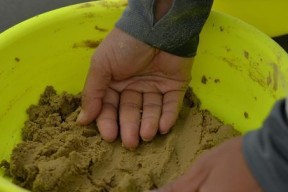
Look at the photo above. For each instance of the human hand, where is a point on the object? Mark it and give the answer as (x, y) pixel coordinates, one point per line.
(223, 169)
(127, 77)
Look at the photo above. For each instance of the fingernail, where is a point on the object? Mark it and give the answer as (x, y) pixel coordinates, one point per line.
(163, 132)
(145, 139)
(80, 117)
(128, 148)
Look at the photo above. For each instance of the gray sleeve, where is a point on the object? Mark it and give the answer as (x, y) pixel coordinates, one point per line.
(266, 151)
(177, 32)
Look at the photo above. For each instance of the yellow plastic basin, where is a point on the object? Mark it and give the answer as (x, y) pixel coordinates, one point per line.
(238, 74)
(266, 15)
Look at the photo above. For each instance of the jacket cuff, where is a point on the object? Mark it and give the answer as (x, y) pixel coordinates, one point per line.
(177, 32)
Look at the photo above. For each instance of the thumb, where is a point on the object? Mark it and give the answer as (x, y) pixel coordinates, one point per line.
(97, 82)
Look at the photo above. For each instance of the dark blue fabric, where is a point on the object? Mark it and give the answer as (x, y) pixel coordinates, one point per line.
(266, 151)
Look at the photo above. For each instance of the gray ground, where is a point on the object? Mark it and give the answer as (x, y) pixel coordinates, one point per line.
(15, 11)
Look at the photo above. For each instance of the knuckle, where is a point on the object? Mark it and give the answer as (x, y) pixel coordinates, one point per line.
(171, 102)
(106, 119)
(150, 118)
(109, 105)
(130, 124)
(170, 112)
(152, 105)
(130, 105)
(89, 96)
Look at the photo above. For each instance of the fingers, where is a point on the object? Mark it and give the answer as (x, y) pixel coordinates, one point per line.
(152, 106)
(130, 115)
(171, 106)
(94, 90)
(107, 120)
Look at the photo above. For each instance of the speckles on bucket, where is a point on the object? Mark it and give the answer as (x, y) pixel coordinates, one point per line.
(257, 77)
(204, 79)
(269, 79)
(85, 5)
(100, 29)
(108, 4)
(228, 49)
(92, 44)
(246, 115)
(221, 28)
(57, 30)
(275, 76)
(89, 15)
(232, 63)
(17, 59)
(224, 28)
(246, 54)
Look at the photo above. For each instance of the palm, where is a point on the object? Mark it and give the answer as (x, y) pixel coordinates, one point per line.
(157, 75)
(128, 76)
